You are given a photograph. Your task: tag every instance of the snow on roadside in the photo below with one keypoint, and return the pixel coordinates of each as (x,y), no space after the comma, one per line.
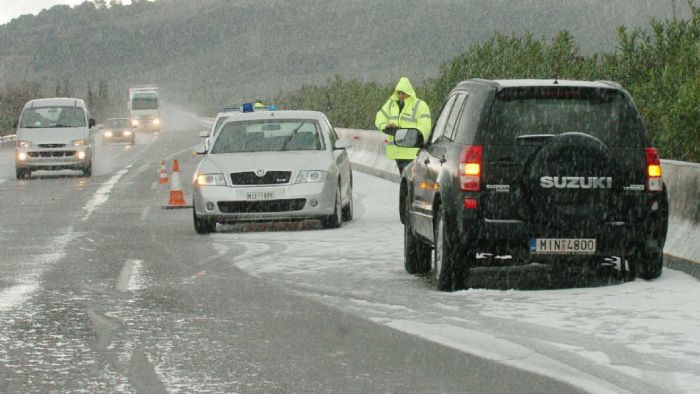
(638,336)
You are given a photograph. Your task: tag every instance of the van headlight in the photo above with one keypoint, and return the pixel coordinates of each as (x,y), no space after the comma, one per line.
(210,180)
(82,142)
(134,122)
(24,144)
(156,121)
(309,176)
(108,133)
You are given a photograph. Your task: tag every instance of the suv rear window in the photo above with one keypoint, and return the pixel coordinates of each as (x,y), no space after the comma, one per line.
(606,114)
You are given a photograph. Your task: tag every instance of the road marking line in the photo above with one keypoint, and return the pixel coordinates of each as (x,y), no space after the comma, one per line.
(128,276)
(102,194)
(144,213)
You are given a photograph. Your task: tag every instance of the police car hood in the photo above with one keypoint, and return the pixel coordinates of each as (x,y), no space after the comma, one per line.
(293,161)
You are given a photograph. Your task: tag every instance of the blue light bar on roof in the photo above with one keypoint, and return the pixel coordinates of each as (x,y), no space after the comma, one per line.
(247,107)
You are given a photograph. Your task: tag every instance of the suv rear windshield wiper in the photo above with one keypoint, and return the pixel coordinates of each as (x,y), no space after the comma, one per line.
(533,138)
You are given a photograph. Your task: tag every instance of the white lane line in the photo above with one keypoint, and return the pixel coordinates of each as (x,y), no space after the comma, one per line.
(102,193)
(129,276)
(144,213)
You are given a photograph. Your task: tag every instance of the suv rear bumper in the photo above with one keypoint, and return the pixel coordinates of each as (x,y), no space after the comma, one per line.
(612,238)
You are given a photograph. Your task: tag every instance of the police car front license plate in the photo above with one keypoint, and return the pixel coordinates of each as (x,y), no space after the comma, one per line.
(260,196)
(562,245)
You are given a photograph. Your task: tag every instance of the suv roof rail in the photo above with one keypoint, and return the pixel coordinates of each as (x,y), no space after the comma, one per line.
(611,83)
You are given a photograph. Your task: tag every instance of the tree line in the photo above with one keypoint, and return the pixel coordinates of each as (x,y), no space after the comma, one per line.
(97,96)
(659,66)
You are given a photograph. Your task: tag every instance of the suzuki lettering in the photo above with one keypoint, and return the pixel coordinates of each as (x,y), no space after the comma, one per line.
(576,182)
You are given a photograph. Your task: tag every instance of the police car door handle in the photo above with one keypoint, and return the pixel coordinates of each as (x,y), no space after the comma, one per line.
(426,161)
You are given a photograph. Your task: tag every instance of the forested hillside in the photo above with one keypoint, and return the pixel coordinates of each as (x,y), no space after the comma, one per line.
(209,53)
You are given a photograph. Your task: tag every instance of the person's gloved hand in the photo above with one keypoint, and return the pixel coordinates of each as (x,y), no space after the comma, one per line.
(390,130)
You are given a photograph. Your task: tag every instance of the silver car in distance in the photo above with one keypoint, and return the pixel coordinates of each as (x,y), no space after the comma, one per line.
(273,165)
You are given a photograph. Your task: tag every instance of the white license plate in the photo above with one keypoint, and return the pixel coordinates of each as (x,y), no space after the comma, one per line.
(562,245)
(260,196)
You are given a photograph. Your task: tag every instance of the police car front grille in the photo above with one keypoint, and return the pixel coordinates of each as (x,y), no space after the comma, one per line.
(269,178)
(289,205)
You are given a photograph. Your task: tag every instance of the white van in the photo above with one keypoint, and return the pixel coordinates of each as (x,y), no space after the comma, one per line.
(54,134)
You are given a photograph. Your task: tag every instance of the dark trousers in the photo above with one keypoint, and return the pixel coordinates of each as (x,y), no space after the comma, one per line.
(401,164)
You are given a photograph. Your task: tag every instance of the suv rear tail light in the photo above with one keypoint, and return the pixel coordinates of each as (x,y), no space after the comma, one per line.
(470,168)
(654,182)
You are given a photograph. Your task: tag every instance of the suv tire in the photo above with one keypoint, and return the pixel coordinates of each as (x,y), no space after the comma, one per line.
(416,253)
(452,261)
(648,264)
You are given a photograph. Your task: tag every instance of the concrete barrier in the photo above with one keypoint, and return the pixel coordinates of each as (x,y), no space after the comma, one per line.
(682,249)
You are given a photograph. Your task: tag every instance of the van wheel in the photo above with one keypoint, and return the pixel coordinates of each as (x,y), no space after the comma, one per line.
(451,261)
(23,173)
(87,171)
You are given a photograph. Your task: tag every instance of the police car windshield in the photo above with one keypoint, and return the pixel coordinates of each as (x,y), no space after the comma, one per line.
(268,136)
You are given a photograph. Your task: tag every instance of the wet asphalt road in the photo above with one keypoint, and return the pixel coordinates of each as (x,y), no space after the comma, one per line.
(102,290)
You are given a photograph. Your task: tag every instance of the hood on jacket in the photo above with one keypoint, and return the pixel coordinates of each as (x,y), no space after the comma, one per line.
(405,86)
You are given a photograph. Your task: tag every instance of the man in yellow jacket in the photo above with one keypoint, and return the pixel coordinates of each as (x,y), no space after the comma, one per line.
(403,110)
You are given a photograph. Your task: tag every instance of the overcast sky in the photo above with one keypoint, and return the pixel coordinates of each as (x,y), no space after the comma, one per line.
(13,8)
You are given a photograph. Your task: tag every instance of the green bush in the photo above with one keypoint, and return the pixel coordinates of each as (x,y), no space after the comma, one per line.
(660,66)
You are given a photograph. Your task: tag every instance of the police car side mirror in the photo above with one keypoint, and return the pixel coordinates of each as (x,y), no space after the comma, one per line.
(204,133)
(200,149)
(408,138)
(91,122)
(342,144)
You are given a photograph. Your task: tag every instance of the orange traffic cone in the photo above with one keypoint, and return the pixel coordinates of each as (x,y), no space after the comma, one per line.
(177,197)
(163,173)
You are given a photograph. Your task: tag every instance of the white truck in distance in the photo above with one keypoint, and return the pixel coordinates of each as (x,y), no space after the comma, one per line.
(144,107)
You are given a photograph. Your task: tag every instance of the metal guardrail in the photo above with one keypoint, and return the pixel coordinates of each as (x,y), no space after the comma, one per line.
(7,140)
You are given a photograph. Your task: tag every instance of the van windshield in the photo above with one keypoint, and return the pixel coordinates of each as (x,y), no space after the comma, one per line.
(51,117)
(606,114)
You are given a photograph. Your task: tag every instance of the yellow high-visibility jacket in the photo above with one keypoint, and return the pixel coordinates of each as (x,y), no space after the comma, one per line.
(415,114)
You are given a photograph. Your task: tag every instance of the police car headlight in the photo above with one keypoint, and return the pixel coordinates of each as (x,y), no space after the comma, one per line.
(108,134)
(127,132)
(24,144)
(210,180)
(80,142)
(156,121)
(134,122)
(310,176)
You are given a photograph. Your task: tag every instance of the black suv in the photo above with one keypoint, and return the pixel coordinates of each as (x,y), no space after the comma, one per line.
(553,172)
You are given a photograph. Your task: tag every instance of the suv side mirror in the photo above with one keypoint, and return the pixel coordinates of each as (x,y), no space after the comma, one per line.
(91,122)
(408,138)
